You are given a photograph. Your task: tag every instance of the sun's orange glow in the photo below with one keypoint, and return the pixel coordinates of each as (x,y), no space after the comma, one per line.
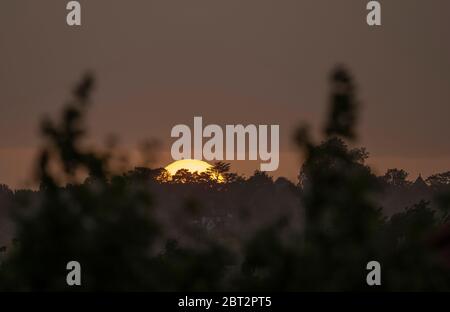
(191,165)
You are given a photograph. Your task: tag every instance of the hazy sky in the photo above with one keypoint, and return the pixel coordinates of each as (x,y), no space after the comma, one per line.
(160,63)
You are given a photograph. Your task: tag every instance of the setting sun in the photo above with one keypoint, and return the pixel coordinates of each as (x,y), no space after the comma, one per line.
(191,165)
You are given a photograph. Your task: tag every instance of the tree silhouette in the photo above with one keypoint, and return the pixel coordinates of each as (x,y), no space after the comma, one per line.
(395,177)
(440,180)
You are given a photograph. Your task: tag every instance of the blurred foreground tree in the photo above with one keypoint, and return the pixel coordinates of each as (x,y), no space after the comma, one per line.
(343,227)
(106,224)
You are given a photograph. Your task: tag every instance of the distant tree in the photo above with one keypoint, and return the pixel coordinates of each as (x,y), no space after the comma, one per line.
(395,177)
(439,180)
(162,176)
(147,175)
(220,172)
(184,176)
(218,176)
(260,179)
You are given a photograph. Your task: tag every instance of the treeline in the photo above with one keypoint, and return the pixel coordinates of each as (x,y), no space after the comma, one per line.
(142,230)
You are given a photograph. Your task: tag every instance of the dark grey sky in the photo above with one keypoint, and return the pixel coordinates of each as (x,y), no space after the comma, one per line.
(159,63)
